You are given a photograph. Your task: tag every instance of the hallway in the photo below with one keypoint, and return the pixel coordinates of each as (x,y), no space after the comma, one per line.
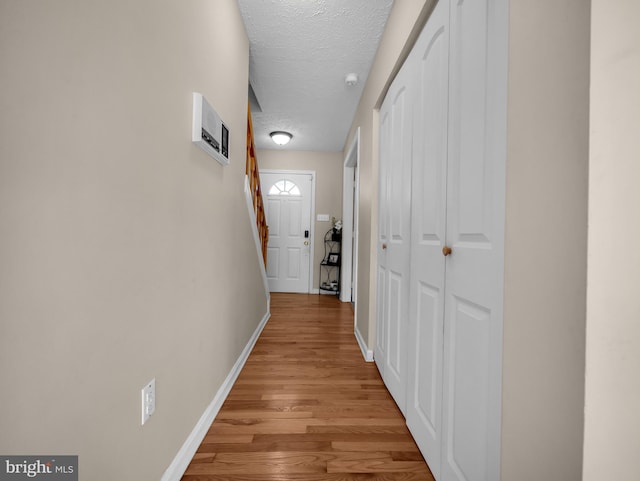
(307,406)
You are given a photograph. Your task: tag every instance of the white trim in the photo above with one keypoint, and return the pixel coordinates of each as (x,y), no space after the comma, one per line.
(350,196)
(311,220)
(256,235)
(366,352)
(179,465)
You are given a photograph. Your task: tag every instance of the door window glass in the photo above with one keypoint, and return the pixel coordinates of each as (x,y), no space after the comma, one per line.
(284,187)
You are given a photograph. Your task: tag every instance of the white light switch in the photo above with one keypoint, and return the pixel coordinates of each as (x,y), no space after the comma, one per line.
(323,218)
(148,400)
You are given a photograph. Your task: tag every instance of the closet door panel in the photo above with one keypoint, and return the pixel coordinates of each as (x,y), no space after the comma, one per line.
(470,197)
(380,349)
(429,58)
(468,396)
(394,243)
(396,362)
(475,232)
(398,247)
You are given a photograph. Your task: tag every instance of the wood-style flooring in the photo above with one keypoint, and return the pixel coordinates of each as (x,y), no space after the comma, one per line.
(307,406)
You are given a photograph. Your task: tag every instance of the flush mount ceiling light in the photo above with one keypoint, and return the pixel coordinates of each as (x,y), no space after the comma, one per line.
(281,138)
(351,79)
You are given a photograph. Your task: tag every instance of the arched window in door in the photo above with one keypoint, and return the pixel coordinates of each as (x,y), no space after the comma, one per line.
(285,187)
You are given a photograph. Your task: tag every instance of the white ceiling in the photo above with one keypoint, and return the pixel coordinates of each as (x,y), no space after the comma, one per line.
(301,52)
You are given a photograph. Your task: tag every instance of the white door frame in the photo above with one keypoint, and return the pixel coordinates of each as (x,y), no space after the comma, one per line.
(350,198)
(313,214)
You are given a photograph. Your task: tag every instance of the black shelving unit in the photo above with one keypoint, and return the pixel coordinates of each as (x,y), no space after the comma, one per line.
(329,276)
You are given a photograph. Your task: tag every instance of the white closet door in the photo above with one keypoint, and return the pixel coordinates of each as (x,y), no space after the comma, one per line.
(430,61)
(394,242)
(475,232)
(380,346)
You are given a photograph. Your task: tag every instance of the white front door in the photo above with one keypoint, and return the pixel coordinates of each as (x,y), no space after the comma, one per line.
(288,197)
(394,237)
(430,59)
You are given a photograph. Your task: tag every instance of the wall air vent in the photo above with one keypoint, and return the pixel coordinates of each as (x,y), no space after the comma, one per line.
(209,131)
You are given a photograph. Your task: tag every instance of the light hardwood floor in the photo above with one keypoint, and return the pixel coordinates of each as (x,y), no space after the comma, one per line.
(307,407)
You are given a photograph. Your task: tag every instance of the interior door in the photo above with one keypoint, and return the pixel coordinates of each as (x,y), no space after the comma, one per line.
(380,346)
(430,61)
(475,233)
(394,242)
(288,213)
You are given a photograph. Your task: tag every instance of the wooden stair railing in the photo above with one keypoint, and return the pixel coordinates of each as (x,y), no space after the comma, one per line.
(256,192)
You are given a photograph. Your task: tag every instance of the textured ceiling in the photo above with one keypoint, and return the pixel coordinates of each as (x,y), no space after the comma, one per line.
(301,52)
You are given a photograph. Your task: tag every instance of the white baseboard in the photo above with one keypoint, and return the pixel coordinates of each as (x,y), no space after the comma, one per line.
(366,352)
(179,465)
(315,290)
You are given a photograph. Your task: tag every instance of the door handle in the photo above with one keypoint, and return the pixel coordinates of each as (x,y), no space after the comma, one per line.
(306,243)
(384,246)
(446,250)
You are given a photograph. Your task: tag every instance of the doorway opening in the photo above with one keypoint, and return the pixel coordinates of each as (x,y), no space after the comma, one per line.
(350,203)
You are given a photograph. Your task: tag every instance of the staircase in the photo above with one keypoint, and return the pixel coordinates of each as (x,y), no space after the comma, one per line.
(253,177)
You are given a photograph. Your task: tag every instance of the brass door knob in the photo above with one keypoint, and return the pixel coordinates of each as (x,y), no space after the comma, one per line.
(446,250)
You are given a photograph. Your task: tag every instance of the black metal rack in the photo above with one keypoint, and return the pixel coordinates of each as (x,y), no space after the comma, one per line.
(329,276)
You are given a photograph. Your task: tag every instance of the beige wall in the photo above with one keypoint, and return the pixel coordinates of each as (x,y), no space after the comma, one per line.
(403,26)
(116,265)
(612,419)
(545,240)
(328,169)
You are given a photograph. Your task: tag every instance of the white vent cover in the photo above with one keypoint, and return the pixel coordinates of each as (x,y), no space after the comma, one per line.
(209,132)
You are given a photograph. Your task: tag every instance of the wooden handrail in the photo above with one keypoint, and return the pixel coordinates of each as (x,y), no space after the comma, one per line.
(254,184)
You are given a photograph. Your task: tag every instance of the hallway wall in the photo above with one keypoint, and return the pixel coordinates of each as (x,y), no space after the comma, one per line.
(328,168)
(612,419)
(545,240)
(116,259)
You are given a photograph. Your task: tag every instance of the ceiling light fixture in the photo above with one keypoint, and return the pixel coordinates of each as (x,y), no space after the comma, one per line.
(351,79)
(281,138)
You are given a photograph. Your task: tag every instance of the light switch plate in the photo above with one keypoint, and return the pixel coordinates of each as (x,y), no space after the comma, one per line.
(323,218)
(148,400)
